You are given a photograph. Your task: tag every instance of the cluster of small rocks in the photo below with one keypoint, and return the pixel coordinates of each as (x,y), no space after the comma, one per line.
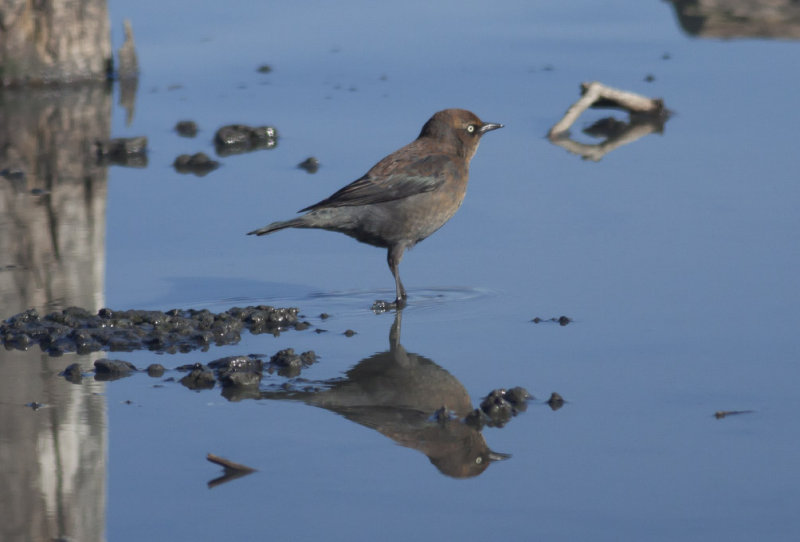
(238,376)
(499,407)
(77,330)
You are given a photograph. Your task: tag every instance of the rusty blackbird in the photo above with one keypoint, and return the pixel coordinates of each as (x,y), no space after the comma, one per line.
(406,196)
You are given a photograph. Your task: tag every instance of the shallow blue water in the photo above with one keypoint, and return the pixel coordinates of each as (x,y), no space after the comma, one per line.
(676,256)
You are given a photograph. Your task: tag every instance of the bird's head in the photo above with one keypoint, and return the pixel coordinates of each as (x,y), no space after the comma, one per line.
(457,128)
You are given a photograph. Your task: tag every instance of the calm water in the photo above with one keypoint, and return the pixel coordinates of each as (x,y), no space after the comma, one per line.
(675,255)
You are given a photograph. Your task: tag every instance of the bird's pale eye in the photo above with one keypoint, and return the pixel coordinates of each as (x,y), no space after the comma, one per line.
(471,128)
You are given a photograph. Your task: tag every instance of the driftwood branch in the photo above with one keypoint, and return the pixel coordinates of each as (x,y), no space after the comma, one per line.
(599,95)
(647,115)
(232,470)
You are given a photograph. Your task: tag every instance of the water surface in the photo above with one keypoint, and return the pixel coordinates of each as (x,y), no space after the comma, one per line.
(675,256)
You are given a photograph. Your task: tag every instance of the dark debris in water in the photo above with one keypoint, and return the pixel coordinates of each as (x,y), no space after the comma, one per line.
(310,164)
(123,151)
(73,373)
(77,330)
(561,320)
(238,138)
(499,407)
(725,413)
(186,128)
(155,370)
(199,378)
(198,163)
(555,401)
(112,369)
(288,364)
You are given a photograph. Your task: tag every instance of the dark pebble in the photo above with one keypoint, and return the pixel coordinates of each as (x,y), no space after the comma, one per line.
(186,128)
(349,333)
(200,378)
(155,370)
(501,405)
(555,401)
(239,138)
(518,397)
(112,369)
(238,371)
(126,151)
(199,164)
(286,358)
(240,379)
(289,364)
(264,68)
(308,358)
(73,373)
(310,164)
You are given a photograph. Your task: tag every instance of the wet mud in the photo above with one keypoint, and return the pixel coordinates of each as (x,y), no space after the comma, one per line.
(77,330)
(404,396)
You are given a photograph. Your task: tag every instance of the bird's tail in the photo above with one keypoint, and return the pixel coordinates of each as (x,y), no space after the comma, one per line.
(275,226)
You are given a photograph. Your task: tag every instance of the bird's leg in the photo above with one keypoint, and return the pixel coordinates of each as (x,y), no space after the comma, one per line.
(393,258)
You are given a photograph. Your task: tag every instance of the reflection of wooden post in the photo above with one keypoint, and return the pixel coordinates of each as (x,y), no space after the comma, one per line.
(54,41)
(52,254)
(52,198)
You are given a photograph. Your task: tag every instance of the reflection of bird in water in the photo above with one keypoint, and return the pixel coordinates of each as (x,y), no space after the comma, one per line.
(396,393)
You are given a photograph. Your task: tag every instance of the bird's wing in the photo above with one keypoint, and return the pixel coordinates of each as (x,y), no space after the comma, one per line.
(392,181)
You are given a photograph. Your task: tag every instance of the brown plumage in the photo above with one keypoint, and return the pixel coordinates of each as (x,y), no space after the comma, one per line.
(406,196)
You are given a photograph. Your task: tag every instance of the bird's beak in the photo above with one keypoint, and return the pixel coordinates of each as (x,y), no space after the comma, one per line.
(498,456)
(489,126)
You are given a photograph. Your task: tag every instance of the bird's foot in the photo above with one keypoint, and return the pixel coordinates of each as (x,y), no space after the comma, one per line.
(380,306)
